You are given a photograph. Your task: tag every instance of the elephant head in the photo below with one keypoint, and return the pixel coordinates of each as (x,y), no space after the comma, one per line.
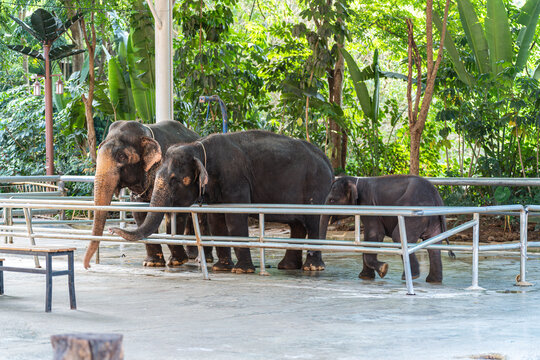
(124,159)
(180,180)
(343,192)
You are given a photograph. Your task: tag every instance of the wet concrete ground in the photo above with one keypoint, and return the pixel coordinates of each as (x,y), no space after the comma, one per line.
(288,315)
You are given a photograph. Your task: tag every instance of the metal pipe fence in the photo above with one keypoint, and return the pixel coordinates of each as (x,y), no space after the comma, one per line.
(263,241)
(27,227)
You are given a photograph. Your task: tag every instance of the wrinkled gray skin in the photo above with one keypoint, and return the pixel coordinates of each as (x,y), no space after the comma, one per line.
(129,157)
(394,190)
(245,167)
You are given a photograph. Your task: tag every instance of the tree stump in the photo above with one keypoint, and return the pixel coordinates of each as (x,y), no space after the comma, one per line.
(87,346)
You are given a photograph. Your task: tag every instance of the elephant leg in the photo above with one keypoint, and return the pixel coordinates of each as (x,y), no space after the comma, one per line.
(435,267)
(237,225)
(178,254)
(367,273)
(412,237)
(218,227)
(374,232)
(154,253)
(314,261)
(293,258)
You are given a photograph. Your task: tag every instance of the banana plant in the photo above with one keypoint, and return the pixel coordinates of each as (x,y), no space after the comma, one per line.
(131,72)
(492,47)
(368,103)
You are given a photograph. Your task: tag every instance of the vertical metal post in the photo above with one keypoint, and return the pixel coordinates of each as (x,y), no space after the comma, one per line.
(123,216)
(71,282)
(475,253)
(405,255)
(28,218)
(48,275)
(62,189)
(1,277)
(262,270)
(357,229)
(9,222)
(173,223)
(202,257)
(523,224)
(4,216)
(163,46)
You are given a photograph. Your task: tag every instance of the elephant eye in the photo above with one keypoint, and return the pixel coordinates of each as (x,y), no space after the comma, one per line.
(122,157)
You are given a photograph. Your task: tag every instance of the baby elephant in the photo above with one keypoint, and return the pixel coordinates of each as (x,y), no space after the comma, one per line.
(394,190)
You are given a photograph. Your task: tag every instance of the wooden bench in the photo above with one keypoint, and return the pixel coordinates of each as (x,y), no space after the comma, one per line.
(48,252)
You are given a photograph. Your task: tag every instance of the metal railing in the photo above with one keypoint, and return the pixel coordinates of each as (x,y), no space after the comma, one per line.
(27,204)
(262,242)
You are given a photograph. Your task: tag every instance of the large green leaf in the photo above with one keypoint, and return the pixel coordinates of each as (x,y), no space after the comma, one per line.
(529,19)
(45,24)
(452,51)
(498,36)
(475,35)
(63,51)
(143,93)
(26,51)
(27,28)
(537,73)
(359,85)
(120,92)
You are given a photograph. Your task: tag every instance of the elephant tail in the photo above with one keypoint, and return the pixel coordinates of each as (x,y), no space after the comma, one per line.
(442,220)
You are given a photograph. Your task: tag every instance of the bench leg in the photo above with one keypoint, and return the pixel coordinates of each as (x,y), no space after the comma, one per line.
(71,282)
(48,291)
(1,279)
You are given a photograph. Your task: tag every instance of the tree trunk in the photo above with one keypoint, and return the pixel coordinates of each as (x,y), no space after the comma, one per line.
(77,37)
(89,98)
(337,137)
(87,347)
(418,113)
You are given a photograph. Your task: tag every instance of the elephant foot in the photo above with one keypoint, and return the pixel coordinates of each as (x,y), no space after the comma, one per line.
(313,265)
(176,262)
(287,264)
(414,276)
(223,266)
(244,267)
(367,274)
(154,261)
(383,269)
(209,258)
(434,279)
(192,252)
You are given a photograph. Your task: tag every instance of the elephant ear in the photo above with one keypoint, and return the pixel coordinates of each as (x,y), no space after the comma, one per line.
(353,193)
(203,176)
(151,152)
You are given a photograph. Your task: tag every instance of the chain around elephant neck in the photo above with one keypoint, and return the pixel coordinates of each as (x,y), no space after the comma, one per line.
(151,131)
(204,151)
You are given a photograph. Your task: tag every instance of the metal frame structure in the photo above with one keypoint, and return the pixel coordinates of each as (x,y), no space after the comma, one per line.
(263,242)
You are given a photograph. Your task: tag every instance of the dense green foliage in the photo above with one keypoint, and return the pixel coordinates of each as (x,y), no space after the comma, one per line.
(265,59)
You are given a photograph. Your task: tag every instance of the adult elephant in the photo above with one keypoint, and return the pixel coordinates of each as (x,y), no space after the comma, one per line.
(245,167)
(129,157)
(394,190)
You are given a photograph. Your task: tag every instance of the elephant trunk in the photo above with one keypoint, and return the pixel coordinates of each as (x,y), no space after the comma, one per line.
(161,197)
(323,226)
(105,184)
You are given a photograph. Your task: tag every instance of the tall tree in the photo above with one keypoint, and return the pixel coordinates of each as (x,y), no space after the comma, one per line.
(329,19)
(418,112)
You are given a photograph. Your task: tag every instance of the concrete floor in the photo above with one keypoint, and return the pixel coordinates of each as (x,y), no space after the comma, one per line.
(288,315)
